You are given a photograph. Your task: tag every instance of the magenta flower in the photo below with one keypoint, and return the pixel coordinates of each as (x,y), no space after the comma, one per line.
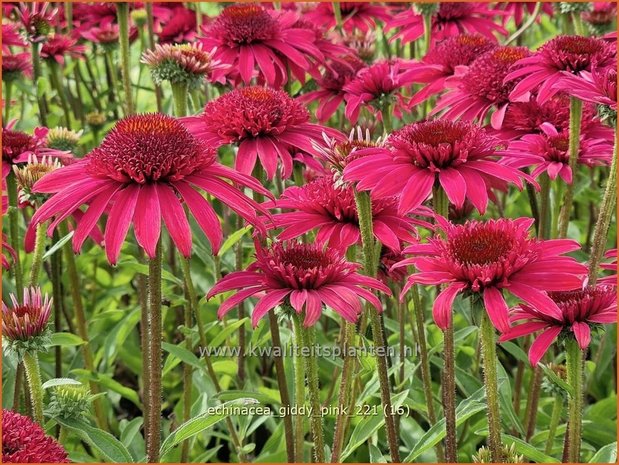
(545,69)
(330,94)
(16,66)
(179,27)
(517,11)
(266,125)
(59,46)
(610,280)
(25,321)
(355,15)
(38,19)
(375,86)
(306,276)
(602,14)
(480,87)
(580,311)
(11,37)
(249,37)
(452,18)
(144,170)
(549,152)
(487,258)
(460,156)
(441,61)
(598,86)
(24,441)
(105,34)
(331,210)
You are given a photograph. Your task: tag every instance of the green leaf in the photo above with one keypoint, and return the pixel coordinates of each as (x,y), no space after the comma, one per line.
(233,239)
(376,456)
(58,245)
(200,423)
(530,452)
(607,454)
(132,264)
(66,340)
(225,332)
(234,395)
(60,382)
(558,381)
(180,353)
(465,410)
(110,447)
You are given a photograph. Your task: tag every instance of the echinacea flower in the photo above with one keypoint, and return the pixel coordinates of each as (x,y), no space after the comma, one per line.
(330,94)
(480,88)
(17,146)
(11,37)
(331,210)
(458,155)
(600,18)
(59,46)
(581,311)
(249,37)
(28,320)
(374,87)
(16,66)
(517,10)
(355,15)
(181,63)
(488,258)
(546,68)
(337,154)
(610,280)
(441,61)
(24,441)
(598,86)
(144,170)
(106,34)
(549,152)
(266,125)
(450,19)
(38,19)
(306,276)
(180,27)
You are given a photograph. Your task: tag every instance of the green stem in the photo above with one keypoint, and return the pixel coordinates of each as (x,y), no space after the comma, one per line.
(386,115)
(600,233)
(574,364)
(123,37)
(57,295)
(37,255)
(311,372)
(151,43)
(488,347)
(8,87)
(555,417)
(153,434)
(345,391)
(112,76)
(364,212)
(187,368)
(19,376)
(574,149)
(527,24)
(299,390)
(577,22)
(82,327)
(544,214)
(11,187)
(33,375)
(427,32)
(180,94)
(337,12)
(36,74)
(55,74)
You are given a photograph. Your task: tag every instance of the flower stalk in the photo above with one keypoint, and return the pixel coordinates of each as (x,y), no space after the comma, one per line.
(33,375)
(299,386)
(574,365)
(37,255)
(555,418)
(13,213)
(122,9)
(574,149)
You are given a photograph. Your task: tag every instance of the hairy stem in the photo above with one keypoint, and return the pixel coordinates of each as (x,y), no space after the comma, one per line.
(574,149)
(123,38)
(11,187)
(345,391)
(187,368)
(299,392)
(37,254)
(33,375)
(574,365)
(555,417)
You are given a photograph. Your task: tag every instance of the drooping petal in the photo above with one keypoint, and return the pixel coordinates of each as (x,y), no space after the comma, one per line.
(441,310)
(147,219)
(497,309)
(582,332)
(119,220)
(175,219)
(542,343)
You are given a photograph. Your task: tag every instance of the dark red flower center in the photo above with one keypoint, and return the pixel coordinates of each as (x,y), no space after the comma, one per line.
(580,304)
(14,143)
(481,245)
(149,148)
(575,53)
(337,74)
(251,112)
(244,24)
(450,11)
(486,74)
(459,50)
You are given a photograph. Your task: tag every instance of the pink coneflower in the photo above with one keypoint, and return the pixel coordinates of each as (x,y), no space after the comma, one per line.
(59,46)
(180,27)
(28,320)
(460,156)
(355,15)
(330,94)
(598,86)
(452,18)
(610,280)
(144,170)
(249,37)
(266,125)
(16,66)
(331,210)
(580,311)
(441,62)
(11,36)
(517,10)
(106,34)
(38,19)
(480,87)
(17,146)
(543,70)
(487,258)
(602,14)
(304,275)
(24,441)
(374,87)
(549,152)
(87,15)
